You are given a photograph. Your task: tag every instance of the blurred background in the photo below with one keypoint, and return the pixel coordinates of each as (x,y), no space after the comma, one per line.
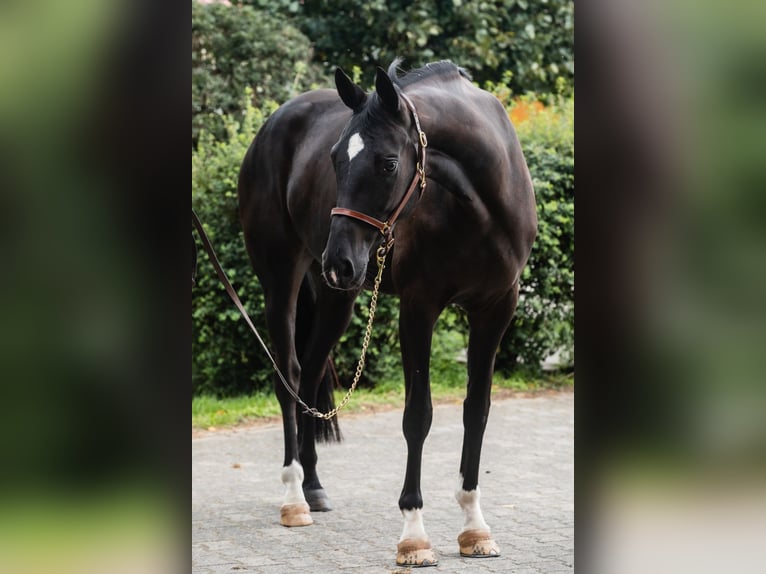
(671,440)
(94,379)
(93,329)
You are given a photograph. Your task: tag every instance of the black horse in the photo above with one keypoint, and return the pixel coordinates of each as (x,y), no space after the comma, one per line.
(319,192)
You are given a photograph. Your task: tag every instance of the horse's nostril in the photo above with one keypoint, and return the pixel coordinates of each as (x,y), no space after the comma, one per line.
(345,269)
(339,271)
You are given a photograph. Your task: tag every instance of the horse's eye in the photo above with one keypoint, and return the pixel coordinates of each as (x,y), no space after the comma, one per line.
(390,165)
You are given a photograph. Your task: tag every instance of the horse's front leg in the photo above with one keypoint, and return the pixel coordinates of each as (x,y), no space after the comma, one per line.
(487,329)
(416,322)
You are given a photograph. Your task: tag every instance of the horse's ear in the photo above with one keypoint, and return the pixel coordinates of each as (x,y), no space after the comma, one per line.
(351,94)
(386,91)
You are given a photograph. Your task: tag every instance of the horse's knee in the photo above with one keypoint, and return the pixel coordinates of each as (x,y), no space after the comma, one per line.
(417,422)
(292,374)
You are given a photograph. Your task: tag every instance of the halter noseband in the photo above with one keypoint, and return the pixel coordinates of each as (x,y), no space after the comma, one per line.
(386,228)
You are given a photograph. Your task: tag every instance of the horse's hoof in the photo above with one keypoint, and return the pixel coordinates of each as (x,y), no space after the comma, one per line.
(477,544)
(295,515)
(415,553)
(318,500)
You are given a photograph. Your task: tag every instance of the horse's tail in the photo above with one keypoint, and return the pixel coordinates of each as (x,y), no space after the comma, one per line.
(324,430)
(327,430)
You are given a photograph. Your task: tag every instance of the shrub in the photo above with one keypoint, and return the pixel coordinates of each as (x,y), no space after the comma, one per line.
(544,320)
(226,358)
(237,47)
(532,40)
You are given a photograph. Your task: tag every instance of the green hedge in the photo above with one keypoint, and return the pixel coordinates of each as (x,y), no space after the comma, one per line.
(529,40)
(237,47)
(282,47)
(544,319)
(225,360)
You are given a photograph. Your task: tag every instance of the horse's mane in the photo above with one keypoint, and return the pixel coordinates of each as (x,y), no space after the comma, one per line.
(443,70)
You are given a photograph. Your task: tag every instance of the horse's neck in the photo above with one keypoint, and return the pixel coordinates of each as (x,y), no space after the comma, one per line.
(457,134)
(475,157)
(455,125)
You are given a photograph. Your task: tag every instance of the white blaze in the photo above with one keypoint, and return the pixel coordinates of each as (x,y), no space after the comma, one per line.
(355,145)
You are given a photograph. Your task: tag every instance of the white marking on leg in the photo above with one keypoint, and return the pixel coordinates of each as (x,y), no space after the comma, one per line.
(292,478)
(413,525)
(469,502)
(355,145)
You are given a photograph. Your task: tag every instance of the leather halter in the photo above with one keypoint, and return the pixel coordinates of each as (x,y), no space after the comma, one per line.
(386,228)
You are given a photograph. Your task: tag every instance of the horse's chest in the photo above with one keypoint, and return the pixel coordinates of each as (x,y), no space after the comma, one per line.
(453,265)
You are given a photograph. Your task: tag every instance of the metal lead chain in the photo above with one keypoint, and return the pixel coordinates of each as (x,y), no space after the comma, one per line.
(381,259)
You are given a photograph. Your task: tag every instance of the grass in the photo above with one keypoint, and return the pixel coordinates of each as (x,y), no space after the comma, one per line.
(447,385)
(209,411)
(448,380)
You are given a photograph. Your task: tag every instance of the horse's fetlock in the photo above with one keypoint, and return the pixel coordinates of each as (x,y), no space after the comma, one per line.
(410,501)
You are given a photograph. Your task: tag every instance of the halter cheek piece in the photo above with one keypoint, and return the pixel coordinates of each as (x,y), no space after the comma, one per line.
(386,228)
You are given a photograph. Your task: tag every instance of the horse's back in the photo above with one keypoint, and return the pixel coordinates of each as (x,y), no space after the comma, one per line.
(270,156)
(288,157)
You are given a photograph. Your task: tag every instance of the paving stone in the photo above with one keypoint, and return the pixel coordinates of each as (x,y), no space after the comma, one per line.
(526,479)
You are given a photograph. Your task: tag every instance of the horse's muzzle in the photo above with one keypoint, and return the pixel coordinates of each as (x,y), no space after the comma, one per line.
(341,270)
(340,273)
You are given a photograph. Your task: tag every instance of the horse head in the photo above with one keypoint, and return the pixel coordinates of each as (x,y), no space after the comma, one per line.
(375,163)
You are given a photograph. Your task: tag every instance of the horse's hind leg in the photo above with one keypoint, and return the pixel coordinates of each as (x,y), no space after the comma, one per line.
(332,314)
(487,328)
